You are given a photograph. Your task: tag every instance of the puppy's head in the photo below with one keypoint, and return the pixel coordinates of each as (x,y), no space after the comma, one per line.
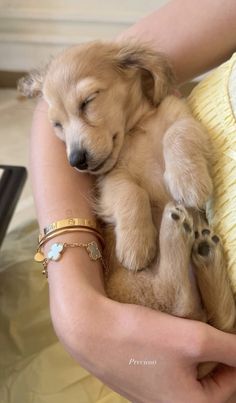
(96,92)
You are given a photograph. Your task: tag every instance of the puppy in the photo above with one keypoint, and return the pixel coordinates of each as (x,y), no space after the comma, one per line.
(113,106)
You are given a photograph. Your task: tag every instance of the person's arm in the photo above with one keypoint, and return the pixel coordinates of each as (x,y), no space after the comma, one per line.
(104,335)
(196,35)
(60,192)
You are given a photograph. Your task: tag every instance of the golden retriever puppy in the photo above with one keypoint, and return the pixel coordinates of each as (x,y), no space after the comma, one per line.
(113,106)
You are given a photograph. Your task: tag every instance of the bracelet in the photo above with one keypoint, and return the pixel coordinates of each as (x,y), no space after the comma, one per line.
(57,249)
(62,227)
(52,234)
(70,222)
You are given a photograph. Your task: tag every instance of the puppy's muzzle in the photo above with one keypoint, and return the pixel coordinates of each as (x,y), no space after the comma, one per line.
(78,159)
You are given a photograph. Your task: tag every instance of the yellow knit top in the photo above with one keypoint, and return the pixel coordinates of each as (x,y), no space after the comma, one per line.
(213,102)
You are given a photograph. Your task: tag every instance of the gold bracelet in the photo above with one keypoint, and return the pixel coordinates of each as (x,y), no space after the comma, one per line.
(70,222)
(52,234)
(57,249)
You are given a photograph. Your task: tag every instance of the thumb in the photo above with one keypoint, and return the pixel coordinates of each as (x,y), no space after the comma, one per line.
(220,385)
(219,347)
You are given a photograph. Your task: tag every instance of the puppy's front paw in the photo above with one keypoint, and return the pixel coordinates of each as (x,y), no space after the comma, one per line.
(190,187)
(136,247)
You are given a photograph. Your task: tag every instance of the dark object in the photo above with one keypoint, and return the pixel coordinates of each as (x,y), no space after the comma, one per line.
(12,180)
(78,159)
(203,248)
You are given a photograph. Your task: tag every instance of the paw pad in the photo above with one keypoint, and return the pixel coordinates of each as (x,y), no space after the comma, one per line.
(175,216)
(181,216)
(203,249)
(206,231)
(187,227)
(215,239)
(205,242)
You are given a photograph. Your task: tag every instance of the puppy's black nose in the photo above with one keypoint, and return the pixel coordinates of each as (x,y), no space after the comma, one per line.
(78,159)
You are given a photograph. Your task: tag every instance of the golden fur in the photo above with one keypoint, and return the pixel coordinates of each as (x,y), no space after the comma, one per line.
(114,104)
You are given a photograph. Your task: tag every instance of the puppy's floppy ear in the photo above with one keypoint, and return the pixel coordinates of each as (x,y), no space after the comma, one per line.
(156,73)
(31,85)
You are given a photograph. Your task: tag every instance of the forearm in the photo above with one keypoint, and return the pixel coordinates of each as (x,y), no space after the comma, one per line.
(60,192)
(196,35)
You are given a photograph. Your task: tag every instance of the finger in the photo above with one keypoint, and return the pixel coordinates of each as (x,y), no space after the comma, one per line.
(221,384)
(219,347)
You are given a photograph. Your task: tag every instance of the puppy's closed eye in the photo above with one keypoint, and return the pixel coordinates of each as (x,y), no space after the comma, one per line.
(58,125)
(86,101)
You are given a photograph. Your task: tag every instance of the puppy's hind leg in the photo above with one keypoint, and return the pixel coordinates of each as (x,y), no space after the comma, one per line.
(186,149)
(175,291)
(213,283)
(212,279)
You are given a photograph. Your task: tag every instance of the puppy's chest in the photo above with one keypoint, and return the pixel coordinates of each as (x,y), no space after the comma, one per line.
(143,158)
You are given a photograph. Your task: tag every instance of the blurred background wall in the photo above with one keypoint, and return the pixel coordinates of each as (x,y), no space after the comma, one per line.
(33,30)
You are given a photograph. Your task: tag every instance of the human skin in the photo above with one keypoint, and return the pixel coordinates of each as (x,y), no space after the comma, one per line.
(196,35)
(101,334)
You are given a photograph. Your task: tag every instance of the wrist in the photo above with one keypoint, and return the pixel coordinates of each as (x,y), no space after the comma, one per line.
(75,268)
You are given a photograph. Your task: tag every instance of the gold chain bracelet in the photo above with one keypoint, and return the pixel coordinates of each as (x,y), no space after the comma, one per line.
(58,248)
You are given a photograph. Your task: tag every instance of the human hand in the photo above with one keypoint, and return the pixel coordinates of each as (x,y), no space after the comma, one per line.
(121,335)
